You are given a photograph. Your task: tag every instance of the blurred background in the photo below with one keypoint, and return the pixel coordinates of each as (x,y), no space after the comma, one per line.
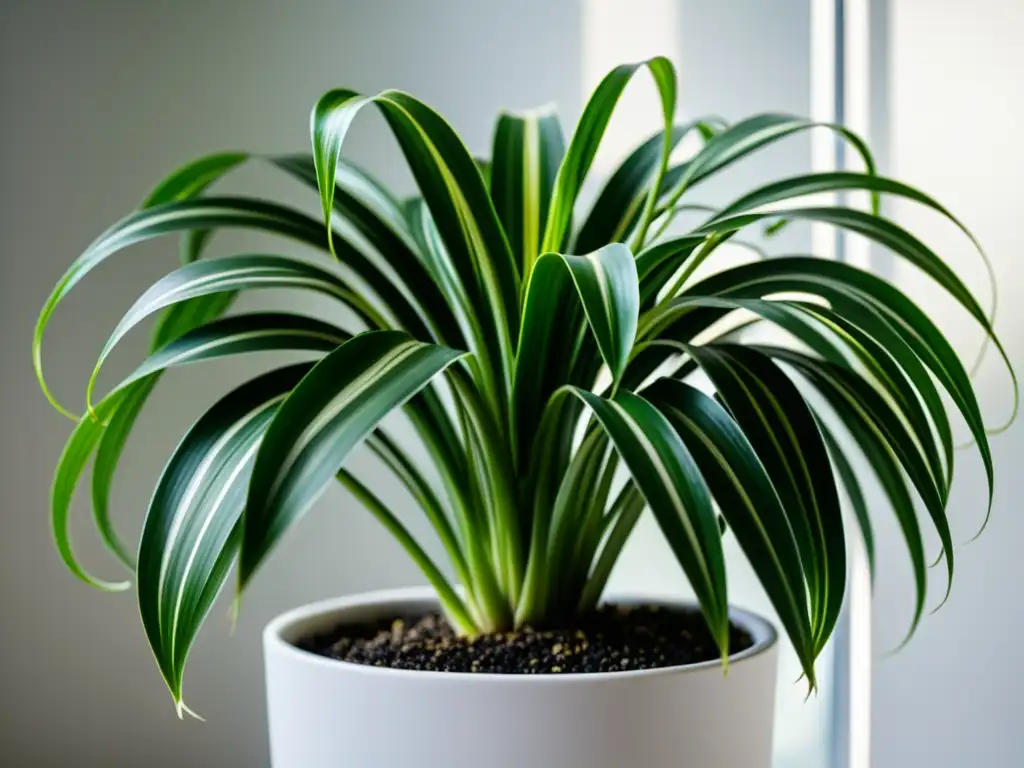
(100,99)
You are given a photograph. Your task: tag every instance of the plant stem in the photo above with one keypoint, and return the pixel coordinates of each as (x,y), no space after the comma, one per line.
(500,482)
(710,244)
(406,471)
(625,512)
(453,605)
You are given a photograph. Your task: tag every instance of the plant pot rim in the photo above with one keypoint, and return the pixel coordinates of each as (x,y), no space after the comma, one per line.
(281,633)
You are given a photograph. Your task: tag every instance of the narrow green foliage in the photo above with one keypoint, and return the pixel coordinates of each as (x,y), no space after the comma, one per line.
(564,338)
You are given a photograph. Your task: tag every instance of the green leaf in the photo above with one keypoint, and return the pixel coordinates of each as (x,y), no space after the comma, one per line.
(185,183)
(875,306)
(450,601)
(228,275)
(73,459)
(605,283)
(803,321)
(877,229)
(192,179)
(190,533)
(109,449)
(335,406)
(886,468)
(901,243)
(238,335)
(657,264)
(748,500)
(528,149)
(589,132)
(459,204)
(845,472)
(741,140)
(221,213)
(620,520)
(378,217)
(783,431)
(174,322)
(891,361)
(848,394)
(668,478)
(617,209)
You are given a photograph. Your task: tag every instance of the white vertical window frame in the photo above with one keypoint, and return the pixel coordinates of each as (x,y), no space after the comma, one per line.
(841,84)
(856,251)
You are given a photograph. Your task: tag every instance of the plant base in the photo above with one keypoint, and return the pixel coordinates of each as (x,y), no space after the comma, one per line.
(328,713)
(612,639)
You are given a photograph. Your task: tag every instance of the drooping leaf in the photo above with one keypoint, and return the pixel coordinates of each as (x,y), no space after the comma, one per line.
(239,335)
(742,139)
(806,321)
(848,394)
(230,275)
(667,476)
(193,178)
(187,182)
(875,306)
(845,472)
(605,285)
(748,501)
(460,206)
(190,532)
(220,213)
(375,214)
(589,132)
(73,460)
(335,407)
(621,201)
(783,431)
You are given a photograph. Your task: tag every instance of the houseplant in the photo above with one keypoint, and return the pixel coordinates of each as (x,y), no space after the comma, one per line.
(543,365)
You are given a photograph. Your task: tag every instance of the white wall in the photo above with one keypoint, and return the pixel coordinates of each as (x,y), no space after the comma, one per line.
(100,99)
(952,698)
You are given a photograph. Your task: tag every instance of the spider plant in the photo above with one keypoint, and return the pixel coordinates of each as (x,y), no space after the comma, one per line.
(544,356)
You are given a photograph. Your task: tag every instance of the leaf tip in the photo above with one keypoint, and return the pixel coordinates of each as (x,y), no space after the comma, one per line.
(182,709)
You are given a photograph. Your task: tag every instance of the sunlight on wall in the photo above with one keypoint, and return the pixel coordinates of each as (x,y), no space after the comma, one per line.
(615,32)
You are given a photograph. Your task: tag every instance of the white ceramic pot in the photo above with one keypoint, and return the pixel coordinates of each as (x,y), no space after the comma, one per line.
(331,714)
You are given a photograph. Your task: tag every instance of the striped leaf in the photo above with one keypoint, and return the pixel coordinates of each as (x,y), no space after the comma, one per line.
(618,207)
(337,404)
(783,431)
(605,285)
(890,363)
(589,132)
(748,501)
(239,335)
(378,217)
(528,148)
(220,213)
(742,139)
(483,258)
(460,207)
(73,459)
(193,178)
(191,532)
(185,183)
(853,399)
(228,275)
(667,476)
(875,306)
(844,472)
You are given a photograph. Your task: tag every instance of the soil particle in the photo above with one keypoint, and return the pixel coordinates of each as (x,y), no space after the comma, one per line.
(614,638)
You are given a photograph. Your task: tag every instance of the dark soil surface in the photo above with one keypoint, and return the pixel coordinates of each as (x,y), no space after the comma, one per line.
(612,639)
